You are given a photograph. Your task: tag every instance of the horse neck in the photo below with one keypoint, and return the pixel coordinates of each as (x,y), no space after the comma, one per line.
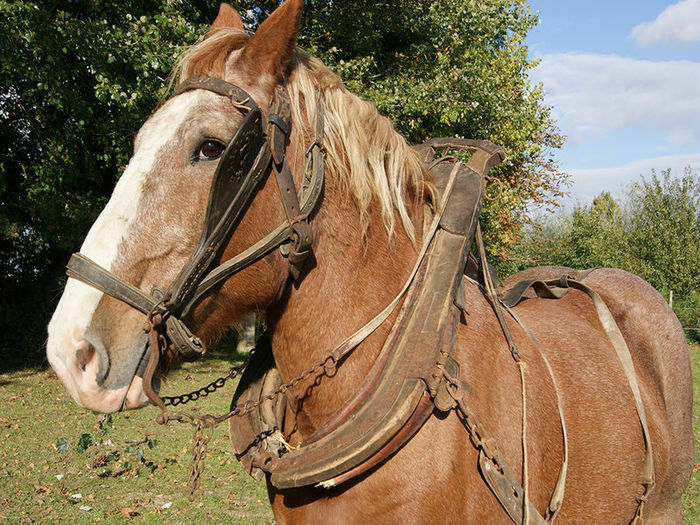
(347,285)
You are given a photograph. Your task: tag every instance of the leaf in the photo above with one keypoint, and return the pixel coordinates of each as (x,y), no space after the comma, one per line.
(62,445)
(128,512)
(41,489)
(84,442)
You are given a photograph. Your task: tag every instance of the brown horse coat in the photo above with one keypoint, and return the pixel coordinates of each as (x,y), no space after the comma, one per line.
(360,263)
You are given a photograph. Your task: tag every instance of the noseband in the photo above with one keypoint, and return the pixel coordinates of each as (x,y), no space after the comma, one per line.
(259,144)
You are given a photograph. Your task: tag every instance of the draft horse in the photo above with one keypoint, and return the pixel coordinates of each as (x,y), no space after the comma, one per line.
(319,257)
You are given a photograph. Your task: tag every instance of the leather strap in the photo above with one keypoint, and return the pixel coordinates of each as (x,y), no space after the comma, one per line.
(300,232)
(508,491)
(239,176)
(240,173)
(311,197)
(557,498)
(557,288)
(218,86)
(623,353)
(87,271)
(515,294)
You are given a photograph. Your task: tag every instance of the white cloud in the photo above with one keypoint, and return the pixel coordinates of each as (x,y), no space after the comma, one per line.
(593,94)
(588,183)
(678,24)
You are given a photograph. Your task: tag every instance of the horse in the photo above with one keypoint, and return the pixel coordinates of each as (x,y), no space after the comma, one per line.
(367,234)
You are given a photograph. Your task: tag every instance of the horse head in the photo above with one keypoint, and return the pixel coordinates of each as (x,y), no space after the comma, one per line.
(153,220)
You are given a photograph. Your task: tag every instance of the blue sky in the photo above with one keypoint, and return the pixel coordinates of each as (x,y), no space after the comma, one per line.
(623,78)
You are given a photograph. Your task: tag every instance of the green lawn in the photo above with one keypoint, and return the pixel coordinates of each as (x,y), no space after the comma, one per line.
(108,471)
(60,463)
(691,498)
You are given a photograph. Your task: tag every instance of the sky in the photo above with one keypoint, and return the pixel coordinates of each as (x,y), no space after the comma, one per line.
(623,79)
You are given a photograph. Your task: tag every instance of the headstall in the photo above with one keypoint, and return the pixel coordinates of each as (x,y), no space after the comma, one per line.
(258,145)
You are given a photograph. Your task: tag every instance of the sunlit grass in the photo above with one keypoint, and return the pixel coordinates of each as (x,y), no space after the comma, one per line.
(691,498)
(109,472)
(57,462)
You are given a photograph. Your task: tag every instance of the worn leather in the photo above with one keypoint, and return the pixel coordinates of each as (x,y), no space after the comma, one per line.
(240,173)
(391,405)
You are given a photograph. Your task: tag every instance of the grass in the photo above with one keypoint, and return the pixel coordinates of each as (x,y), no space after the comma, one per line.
(62,463)
(691,498)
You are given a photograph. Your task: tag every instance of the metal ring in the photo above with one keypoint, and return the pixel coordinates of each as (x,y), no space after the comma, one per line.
(316,143)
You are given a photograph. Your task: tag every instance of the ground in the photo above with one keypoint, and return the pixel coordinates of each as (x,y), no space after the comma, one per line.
(62,463)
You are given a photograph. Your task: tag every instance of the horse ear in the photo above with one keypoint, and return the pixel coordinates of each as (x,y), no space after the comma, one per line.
(228,17)
(268,53)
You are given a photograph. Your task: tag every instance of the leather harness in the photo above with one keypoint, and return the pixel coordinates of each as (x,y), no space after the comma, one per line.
(242,170)
(415,373)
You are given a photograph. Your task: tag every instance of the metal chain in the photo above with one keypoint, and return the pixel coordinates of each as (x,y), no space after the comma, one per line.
(205,424)
(212,387)
(476,434)
(200,440)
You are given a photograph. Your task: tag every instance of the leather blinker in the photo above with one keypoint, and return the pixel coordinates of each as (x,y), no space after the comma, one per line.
(241,172)
(236,161)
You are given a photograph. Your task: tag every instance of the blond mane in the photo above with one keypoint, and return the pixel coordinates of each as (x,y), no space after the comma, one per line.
(367,157)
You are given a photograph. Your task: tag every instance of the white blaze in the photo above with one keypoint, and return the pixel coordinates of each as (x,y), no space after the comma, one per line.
(79,301)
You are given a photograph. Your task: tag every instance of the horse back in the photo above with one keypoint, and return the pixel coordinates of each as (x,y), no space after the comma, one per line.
(659,352)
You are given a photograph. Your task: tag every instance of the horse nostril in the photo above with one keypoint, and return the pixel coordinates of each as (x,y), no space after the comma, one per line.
(84,354)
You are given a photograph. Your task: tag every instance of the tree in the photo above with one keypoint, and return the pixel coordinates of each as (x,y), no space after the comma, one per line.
(451,68)
(664,226)
(77,80)
(653,232)
(81,76)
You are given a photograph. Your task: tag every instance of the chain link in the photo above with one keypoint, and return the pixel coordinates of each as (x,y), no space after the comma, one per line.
(212,387)
(476,433)
(204,425)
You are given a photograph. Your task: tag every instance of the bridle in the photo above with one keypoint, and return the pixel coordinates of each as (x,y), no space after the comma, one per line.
(258,145)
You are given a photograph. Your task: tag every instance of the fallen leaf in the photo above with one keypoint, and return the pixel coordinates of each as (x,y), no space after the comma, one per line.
(128,512)
(40,489)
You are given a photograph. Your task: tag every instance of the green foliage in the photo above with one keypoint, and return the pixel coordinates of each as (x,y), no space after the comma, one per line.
(664,226)
(79,77)
(450,68)
(77,80)
(84,442)
(62,445)
(653,232)
(687,309)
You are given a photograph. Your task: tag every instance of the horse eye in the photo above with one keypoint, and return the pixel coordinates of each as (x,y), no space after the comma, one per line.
(210,150)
